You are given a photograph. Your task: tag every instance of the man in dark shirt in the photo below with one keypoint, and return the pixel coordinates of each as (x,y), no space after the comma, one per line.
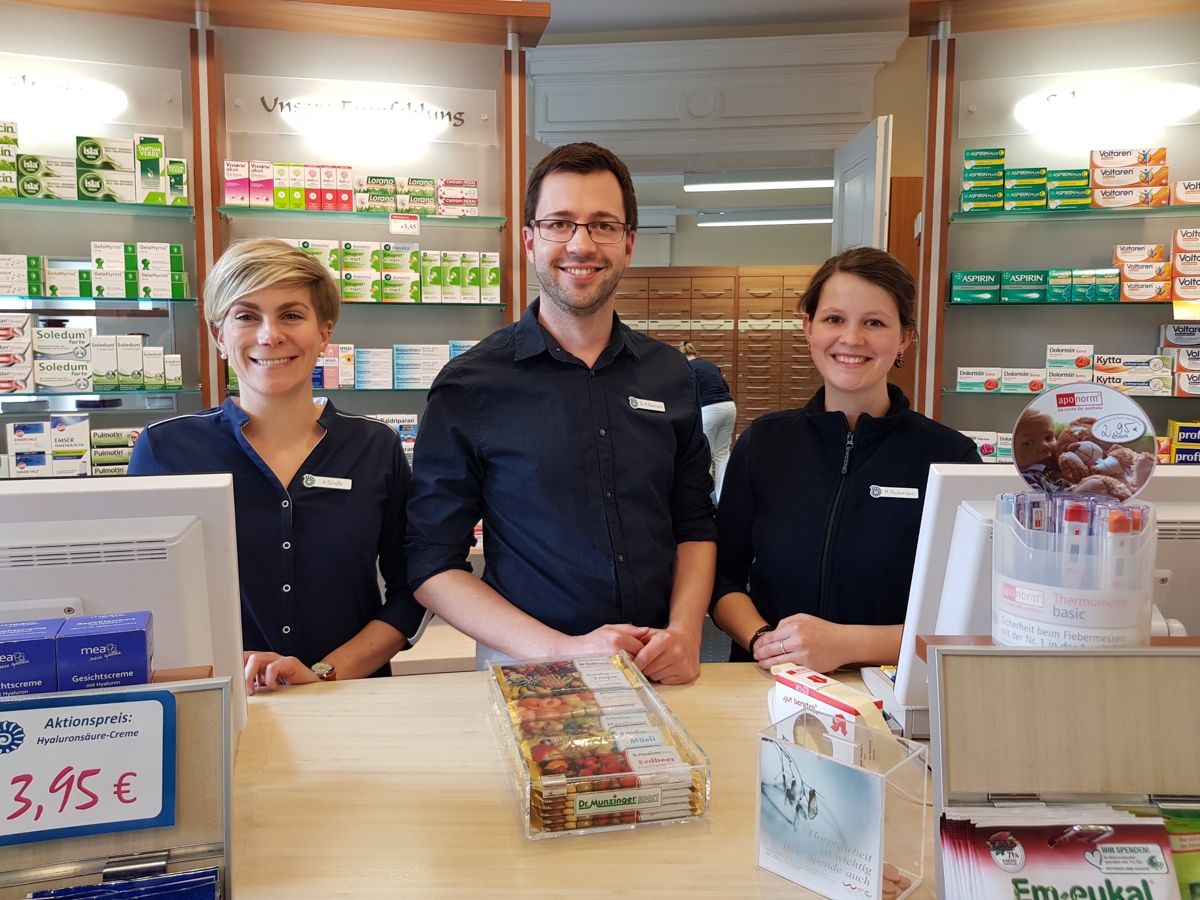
(580,445)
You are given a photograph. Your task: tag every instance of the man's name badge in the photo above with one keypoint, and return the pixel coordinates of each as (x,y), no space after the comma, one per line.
(318,481)
(899,493)
(652,405)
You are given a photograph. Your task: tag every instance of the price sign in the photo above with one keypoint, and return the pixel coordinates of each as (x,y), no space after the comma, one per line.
(401,223)
(86,765)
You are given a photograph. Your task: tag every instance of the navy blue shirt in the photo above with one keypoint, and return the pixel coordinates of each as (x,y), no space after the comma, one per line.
(306,555)
(807,523)
(586,478)
(713,386)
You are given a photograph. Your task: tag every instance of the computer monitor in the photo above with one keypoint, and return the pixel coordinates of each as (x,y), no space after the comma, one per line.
(84,546)
(965,488)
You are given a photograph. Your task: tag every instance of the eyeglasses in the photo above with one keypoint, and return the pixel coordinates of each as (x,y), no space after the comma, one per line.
(561,231)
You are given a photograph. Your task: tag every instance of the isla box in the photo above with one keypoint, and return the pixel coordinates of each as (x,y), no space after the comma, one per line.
(112,650)
(27,657)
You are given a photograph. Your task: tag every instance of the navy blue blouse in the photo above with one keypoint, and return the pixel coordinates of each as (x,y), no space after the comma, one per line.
(306,554)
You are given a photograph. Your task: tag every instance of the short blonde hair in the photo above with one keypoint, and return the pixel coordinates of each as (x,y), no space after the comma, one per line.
(256,263)
(688,349)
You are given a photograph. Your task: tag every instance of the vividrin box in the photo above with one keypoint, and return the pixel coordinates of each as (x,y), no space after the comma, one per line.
(590,747)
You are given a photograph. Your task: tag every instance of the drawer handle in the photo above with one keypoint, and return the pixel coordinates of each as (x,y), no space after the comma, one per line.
(715,315)
(799,292)
(669,293)
(763,315)
(712,294)
(666,315)
(761,293)
(629,293)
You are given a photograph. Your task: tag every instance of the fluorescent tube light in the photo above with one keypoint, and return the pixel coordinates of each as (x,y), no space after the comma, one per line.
(717,223)
(759,185)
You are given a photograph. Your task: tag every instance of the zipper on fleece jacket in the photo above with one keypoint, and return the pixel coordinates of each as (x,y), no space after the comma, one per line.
(837,498)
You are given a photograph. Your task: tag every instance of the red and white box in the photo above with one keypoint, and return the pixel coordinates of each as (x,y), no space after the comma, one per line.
(237,182)
(329,185)
(1185,193)
(345,189)
(312,187)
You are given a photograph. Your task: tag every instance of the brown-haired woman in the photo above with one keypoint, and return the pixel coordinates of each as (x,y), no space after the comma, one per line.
(822,505)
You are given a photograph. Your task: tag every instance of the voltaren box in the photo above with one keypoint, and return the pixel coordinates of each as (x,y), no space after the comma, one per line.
(1187,359)
(1146,271)
(1153,156)
(27,657)
(489,277)
(106,651)
(1186,240)
(1130,197)
(1186,288)
(1145,291)
(1187,384)
(1185,193)
(1185,264)
(1179,334)
(1128,253)
(1131,176)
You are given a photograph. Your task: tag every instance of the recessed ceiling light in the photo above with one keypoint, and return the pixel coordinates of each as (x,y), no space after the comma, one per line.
(759,185)
(717,223)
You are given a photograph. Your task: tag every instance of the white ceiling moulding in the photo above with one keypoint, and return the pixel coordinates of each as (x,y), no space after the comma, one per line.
(767,215)
(738,98)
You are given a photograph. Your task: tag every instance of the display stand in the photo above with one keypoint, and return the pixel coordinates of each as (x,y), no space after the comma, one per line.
(1013,725)
(200,837)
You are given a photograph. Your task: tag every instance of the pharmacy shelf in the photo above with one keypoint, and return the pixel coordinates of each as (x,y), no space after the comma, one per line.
(360,304)
(1041,303)
(946,392)
(76,207)
(130,402)
(336,391)
(1058,215)
(495,223)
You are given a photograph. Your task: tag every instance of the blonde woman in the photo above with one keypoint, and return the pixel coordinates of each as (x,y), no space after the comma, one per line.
(718,412)
(319,495)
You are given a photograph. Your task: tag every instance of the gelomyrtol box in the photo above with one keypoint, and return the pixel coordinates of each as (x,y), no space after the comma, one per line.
(985,443)
(360,287)
(329,185)
(328,253)
(262,183)
(27,658)
(1076,358)
(237,182)
(281,197)
(986,157)
(400,287)
(114,256)
(106,651)
(105,154)
(1058,285)
(1123,363)
(69,434)
(16,353)
(1138,383)
(1131,176)
(400,257)
(1130,197)
(1024,199)
(431,276)
(1145,291)
(344,189)
(1179,334)
(451,277)
(35,166)
(1129,253)
(172,372)
(38,188)
(1186,264)
(1022,381)
(987,200)
(469,266)
(65,283)
(149,154)
(27,437)
(1185,193)
(489,277)
(104,362)
(62,376)
(312,187)
(1069,198)
(1068,178)
(1186,240)
(1116,159)
(159,257)
(106,187)
(1146,271)
(1035,177)
(129,362)
(1186,288)
(978,381)
(1024,286)
(975,287)
(361,256)
(153,372)
(62,343)
(177,182)
(115,285)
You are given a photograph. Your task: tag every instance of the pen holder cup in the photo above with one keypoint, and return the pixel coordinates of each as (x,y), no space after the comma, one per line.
(1055,589)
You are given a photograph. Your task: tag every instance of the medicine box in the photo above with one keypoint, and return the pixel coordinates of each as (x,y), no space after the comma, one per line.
(101,471)
(458,348)
(111,456)
(1058,285)
(177,182)
(149,154)
(469,267)
(1153,156)
(237,182)
(129,362)
(1146,271)
(986,200)
(296,186)
(400,287)
(29,165)
(1130,197)
(62,282)
(1186,288)
(347,357)
(1131,176)
(1030,177)
(1186,240)
(45,188)
(27,437)
(329,253)
(1185,456)
(8,182)
(106,187)
(1145,291)
(1137,383)
(329,188)
(1069,198)
(1185,434)
(978,380)
(451,277)
(1022,381)
(115,256)
(375,184)
(27,657)
(1004,452)
(71,466)
(1072,357)
(975,287)
(1187,384)
(489,277)
(105,154)
(1127,253)
(1187,359)
(172,372)
(982,179)
(1024,199)
(985,443)
(1108,286)
(104,362)
(16,380)
(162,285)
(280,181)
(361,256)
(1179,334)
(62,343)
(152,257)
(261,174)
(1114,363)
(62,376)
(29,465)
(106,651)
(989,157)
(69,434)
(15,353)
(376,203)
(153,372)
(1186,263)
(360,287)
(1068,178)
(312,187)
(1024,286)
(114,437)
(431,276)
(447,210)
(396,257)
(1185,193)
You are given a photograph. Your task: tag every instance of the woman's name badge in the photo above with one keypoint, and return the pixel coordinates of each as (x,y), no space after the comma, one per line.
(318,481)
(900,493)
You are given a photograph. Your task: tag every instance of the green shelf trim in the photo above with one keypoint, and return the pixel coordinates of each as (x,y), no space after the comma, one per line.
(107,209)
(1074,215)
(104,300)
(1126,305)
(362,218)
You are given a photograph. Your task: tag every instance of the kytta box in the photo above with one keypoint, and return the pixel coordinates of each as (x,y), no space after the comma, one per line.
(106,651)
(27,658)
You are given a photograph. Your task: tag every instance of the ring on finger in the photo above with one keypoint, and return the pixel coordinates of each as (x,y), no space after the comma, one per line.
(782,649)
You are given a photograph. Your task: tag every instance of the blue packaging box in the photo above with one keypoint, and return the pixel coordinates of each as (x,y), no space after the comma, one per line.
(27,663)
(106,651)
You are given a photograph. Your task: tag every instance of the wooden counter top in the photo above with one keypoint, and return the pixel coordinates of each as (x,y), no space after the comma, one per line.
(395,787)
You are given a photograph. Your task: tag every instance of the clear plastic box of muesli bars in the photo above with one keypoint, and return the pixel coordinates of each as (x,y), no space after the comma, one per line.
(590,746)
